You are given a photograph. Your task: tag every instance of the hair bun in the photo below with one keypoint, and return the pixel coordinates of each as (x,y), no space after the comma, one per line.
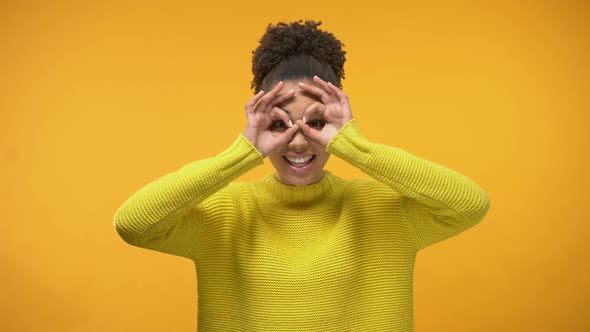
(285,40)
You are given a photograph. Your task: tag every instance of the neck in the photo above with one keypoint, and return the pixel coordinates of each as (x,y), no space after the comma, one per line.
(284,195)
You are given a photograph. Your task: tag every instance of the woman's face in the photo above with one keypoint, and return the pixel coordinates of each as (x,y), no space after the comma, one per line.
(301,161)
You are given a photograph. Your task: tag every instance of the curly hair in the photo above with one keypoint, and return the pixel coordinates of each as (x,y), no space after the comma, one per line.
(297,50)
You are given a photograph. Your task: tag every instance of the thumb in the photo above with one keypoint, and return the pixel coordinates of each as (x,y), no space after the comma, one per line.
(286,136)
(310,132)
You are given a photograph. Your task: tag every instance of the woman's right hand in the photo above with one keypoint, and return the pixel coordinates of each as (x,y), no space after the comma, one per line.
(263,114)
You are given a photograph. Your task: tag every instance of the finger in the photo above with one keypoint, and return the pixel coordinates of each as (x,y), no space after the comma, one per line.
(343,100)
(250,104)
(341,95)
(308,131)
(285,137)
(264,101)
(319,92)
(278,114)
(283,97)
(325,85)
(319,80)
(315,109)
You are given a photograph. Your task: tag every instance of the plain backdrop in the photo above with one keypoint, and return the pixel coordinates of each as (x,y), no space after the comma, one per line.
(99,98)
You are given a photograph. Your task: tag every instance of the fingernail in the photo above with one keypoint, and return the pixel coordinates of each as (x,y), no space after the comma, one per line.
(292,90)
(304,119)
(330,83)
(315,76)
(301,83)
(290,123)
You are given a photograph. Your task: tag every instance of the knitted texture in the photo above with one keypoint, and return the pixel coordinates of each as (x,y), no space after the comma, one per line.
(337,255)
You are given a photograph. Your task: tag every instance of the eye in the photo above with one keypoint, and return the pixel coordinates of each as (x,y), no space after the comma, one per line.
(316,124)
(278,125)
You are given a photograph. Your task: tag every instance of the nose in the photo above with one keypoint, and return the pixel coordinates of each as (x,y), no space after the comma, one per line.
(298,142)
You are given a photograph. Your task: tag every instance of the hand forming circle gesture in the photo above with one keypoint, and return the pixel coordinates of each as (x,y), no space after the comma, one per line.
(334,109)
(261,111)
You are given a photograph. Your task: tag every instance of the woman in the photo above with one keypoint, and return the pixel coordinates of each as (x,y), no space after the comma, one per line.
(302,249)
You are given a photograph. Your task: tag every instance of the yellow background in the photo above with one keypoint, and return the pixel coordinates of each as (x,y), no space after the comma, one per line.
(99,98)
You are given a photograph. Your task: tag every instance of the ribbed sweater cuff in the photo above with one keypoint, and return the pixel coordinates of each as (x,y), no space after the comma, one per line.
(239,157)
(350,145)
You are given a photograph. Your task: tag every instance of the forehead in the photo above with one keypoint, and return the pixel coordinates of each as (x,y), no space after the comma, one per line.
(300,100)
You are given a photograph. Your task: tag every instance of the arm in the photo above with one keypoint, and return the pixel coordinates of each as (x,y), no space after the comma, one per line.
(165,216)
(438,202)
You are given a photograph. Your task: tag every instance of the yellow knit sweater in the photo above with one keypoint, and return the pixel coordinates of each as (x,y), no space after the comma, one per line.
(337,255)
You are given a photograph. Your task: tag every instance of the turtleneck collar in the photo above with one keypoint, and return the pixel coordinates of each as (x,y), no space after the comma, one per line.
(280,194)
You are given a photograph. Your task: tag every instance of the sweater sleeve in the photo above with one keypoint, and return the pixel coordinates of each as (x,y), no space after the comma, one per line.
(165,216)
(438,202)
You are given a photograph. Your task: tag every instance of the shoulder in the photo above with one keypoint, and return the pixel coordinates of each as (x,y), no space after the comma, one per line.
(368,184)
(236,188)
(370,189)
(232,193)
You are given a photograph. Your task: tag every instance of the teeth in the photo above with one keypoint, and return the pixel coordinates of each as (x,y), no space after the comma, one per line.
(299,160)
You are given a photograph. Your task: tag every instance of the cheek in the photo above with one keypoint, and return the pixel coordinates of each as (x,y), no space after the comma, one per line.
(276,159)
(277,132)
(323,158)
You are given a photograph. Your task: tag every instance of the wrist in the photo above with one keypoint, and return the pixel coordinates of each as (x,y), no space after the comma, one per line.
(248,134)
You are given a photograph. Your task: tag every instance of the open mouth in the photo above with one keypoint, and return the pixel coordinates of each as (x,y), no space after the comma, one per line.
(300,162)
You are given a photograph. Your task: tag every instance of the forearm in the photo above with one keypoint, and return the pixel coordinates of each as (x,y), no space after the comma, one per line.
(444,192)
(172,196)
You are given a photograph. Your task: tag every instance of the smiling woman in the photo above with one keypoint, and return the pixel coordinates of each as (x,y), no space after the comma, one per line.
(302,249)
(301,160)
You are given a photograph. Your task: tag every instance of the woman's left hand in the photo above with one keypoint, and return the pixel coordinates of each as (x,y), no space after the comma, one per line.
(334,109)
